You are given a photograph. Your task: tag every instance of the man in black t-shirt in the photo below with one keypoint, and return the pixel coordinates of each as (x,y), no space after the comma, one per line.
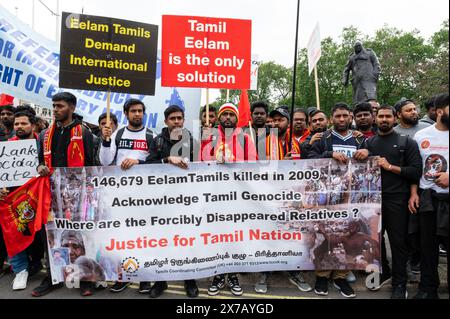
(401,166)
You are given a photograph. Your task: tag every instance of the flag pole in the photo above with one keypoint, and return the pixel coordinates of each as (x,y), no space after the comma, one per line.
(295,72)
(108,111)
(316,78)
(207,107)
(33,16)
(57,23)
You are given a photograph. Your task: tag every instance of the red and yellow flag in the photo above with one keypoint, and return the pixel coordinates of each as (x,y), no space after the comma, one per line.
(23,212)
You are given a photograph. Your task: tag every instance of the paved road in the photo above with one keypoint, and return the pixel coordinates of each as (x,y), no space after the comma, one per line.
(279,288)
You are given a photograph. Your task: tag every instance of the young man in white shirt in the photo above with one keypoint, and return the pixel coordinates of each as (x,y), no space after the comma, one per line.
(127,147)
(433,209)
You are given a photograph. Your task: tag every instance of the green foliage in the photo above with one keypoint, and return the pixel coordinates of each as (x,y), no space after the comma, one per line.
(412,67)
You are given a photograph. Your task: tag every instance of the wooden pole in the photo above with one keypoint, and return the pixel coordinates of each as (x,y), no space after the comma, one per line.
(251,132)
(316,78)
(228,96)
(108,111)
(207,107)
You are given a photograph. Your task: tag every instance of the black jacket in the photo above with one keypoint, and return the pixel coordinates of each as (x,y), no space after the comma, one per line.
(305,147)
(161,147)
(60,144)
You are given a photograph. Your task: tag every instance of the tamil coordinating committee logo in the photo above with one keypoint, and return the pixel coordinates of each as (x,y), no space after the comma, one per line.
(130,265)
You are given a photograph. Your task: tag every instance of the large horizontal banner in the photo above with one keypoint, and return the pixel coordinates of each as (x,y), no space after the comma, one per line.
(107,54)
(29,70)
(206,52)
(159,222)
(18,162)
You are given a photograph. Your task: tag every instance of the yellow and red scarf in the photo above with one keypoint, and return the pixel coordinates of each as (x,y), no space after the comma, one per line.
(275,150)
(75,151)
(304,136)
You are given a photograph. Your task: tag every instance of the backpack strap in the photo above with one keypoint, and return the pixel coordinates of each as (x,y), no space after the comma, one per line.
(401,144)
(117,141)
(328,142)
(159,143)
(149,136)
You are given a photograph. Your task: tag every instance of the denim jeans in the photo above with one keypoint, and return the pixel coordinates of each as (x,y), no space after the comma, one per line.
(19,262)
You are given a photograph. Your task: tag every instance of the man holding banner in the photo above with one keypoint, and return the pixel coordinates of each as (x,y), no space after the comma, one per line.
(230,145)
(339,144)
(24,127)
(127,147)
(280,148)
(67,143)
(175,146)
(400,163)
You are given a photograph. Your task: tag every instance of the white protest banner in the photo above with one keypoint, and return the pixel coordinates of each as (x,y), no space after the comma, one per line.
(314,49)
(159,222)
(18,162)
(29,70)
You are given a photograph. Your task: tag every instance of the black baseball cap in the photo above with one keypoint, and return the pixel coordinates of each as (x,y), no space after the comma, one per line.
(403,101)
(310,110)
(281,111)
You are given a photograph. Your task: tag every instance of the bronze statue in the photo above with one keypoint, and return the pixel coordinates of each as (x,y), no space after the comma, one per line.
(366,70)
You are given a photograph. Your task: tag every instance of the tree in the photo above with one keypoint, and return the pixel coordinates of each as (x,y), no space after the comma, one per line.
(412,67)
(435,77)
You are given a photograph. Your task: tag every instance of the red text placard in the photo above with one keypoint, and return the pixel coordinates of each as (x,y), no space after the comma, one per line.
(206,52)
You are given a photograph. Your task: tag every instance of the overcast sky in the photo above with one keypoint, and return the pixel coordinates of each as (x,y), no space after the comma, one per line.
(273,21)
(273,29)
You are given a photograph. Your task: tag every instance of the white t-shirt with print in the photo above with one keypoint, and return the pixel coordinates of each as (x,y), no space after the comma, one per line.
(133,145)
(433,146)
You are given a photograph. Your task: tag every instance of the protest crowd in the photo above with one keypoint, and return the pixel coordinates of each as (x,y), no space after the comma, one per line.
(412,153)
(318,195)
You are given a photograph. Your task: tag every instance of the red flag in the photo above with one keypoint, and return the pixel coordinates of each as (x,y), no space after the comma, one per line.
(244,110)
(6,99)
(23,213)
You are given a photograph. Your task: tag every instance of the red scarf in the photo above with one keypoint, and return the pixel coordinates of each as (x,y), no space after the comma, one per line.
(277,151)
(304,136)
(75,151)
(228,148)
